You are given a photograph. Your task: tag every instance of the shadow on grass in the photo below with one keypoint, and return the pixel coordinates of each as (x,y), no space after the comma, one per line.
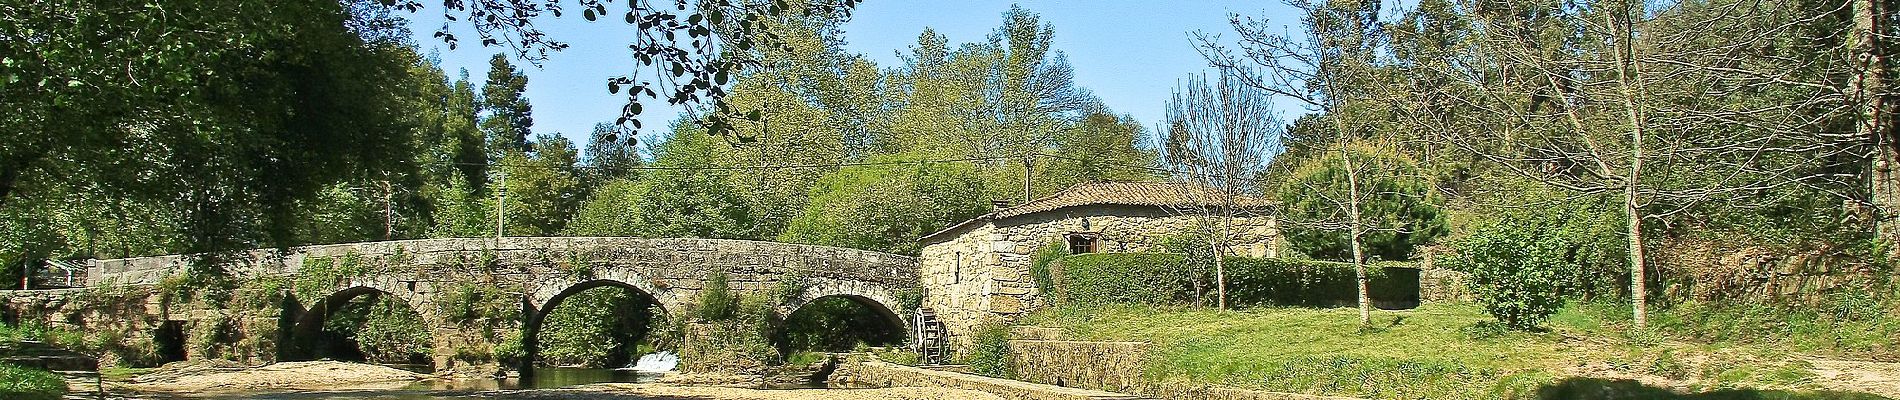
(1625,389)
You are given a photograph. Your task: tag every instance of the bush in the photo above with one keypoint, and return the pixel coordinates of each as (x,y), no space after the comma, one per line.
(1156,279)
(1517,272)
(22,383)
(990,355)
(835,324)
(716,301)
(1039,266)
(391,332)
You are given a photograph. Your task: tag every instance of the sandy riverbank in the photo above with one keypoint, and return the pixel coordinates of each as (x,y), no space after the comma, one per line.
(301,375)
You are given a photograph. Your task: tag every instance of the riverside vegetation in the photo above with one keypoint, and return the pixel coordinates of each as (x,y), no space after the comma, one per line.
(1495,346)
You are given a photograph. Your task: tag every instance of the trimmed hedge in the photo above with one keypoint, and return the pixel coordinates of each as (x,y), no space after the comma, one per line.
(1162,278)
(1123,278)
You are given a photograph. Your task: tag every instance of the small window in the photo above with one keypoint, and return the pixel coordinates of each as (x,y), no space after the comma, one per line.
(1080,243)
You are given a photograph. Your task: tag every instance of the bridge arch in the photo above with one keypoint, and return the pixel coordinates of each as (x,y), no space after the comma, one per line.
(550,295)
(550,291)
(306,336)
(889,327)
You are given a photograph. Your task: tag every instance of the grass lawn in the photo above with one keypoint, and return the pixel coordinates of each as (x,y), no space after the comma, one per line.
(23,383)
(1440,351)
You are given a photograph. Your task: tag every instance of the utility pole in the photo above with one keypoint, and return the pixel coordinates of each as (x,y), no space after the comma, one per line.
(1028,160)
(501,203)
(389,211)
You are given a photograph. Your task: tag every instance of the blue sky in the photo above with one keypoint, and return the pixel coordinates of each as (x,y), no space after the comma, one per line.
(1130,53)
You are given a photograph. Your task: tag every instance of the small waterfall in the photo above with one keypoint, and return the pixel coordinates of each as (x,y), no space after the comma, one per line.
(656,362)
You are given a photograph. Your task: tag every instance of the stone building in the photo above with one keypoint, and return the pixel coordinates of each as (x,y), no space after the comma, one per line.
(977,271)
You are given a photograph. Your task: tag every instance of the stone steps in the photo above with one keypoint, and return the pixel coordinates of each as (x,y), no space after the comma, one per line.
(41,355)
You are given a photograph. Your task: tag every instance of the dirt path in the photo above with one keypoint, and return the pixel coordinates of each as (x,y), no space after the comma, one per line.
(1881,378)
(216,377)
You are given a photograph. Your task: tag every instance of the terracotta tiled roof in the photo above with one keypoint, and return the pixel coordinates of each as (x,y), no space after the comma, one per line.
(1157,194)
(1152,194)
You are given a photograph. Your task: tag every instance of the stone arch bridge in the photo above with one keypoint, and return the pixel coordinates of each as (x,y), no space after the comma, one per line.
(435,277)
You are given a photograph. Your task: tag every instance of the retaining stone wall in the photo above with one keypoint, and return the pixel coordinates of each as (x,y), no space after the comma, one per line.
(881,374)
(1112,366)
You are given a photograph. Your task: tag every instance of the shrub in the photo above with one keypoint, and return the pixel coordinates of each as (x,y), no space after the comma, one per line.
(1517,272)
(320,274)
(17,382)
(835,324)
(990,356)
(1039,266)
(716,301)
(391,332)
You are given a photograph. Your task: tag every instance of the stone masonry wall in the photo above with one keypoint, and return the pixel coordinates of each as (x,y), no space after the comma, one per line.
(1111,366)
(1038,355)
(958,280)
(999,254)
(433,274)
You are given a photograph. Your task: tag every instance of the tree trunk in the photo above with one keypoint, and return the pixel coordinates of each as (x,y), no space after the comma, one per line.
(1639,287)
(1357,230)
(1217,245)
(1872,110)
(1630,82)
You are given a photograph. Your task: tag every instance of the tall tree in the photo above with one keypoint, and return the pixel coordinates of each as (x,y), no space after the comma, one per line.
(208,117)
(607,158)
(543,188)
(510,119)
(1102,147)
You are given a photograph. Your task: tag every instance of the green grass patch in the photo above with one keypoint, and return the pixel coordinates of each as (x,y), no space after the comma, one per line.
(806,357)
(122,373)
(1848,325)
(1437,351)
(23,383)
